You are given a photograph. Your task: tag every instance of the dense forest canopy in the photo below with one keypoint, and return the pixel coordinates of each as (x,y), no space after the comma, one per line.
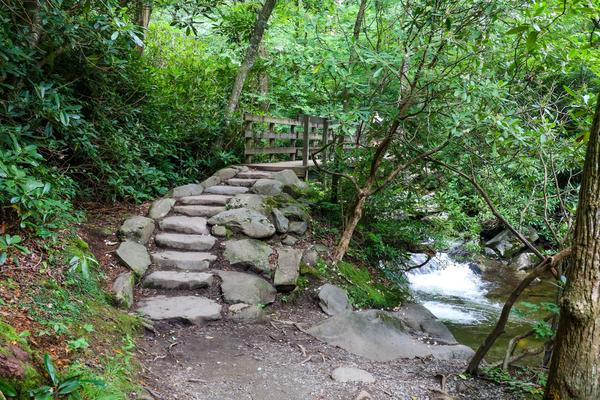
(483,108)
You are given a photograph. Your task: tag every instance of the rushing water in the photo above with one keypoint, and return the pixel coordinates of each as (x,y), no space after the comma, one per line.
(468,299)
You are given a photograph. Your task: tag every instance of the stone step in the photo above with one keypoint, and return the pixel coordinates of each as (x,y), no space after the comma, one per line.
(183,224)
(226,190)
(240,287)
(254,175)
(185,242)
(183,260)
(178,280)
(206,200)
(194,309)
(241,182)
(199,211)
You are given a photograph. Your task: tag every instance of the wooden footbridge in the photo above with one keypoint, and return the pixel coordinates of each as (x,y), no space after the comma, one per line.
(275,144)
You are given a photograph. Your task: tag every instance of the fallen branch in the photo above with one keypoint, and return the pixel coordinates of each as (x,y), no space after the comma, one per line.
(512,344)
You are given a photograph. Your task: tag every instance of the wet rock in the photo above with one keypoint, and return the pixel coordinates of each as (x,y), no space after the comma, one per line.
(194,309)
(249,313)
(267,187)
(506,245)
(349,374)
(380,336)
(122,289)
(134,256)
(249,253)
(251,223)
(280,221)
(192,189)
(288,269)
(333,300)
(138,229)
(240,287)
(161,208)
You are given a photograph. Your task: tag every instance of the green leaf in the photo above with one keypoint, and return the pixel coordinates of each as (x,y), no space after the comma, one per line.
(532,37)
(114,36)
(50,368)
(517,29)
(7,389)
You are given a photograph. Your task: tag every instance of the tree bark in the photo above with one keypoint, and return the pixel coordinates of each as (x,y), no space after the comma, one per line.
(251,54)
(355,216)
(574,371)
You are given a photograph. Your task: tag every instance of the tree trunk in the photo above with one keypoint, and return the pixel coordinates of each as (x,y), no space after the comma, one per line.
(355,216)
(263,82)
(574,371)
(251,54)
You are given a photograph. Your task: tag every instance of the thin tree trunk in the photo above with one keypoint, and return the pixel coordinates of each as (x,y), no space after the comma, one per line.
(263,82)
(575,367)
(355,216)
(251,54)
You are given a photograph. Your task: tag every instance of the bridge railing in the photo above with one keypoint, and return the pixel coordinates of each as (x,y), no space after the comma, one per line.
(285,139)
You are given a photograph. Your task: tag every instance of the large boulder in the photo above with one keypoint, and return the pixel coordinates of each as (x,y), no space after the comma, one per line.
(267,187)
(138,228)
(161,208)
(226,173)
(423,323)
(134,256)
(251,223)
(506,245)
(381,336)
(333,300)
(249,253)
(210,181)
(239,287)
(290,181)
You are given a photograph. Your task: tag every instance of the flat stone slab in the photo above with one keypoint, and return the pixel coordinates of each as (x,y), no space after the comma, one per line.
(138,228)
(192,189)
(183,224)
(178,280)
(250,201)
(350,374)
(123,289)
(239,287)
(183,260)
(182,241)
(380,336)
(288,268)
(249,253)
(134,256)
(241,182)
(250,222)
(161,208)
(199,211)
(254,175)
(205,200)
(194,309)
(226,190)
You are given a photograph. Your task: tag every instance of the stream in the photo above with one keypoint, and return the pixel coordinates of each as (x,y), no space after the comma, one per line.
(468,298)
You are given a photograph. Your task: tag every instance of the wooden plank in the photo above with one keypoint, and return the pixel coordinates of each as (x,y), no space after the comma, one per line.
(271,150)
(271,120)
(305,140)
(268,135)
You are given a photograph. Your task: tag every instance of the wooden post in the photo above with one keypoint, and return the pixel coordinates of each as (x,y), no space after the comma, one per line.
(293,142)
(305,145)
(271,140)
(249,145)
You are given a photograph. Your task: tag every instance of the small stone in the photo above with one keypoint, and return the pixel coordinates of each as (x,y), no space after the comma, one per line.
(267,187)
(192,189)
(289,240)
(185,242)
(135,256)
(280,221)
(226,173)
(161,208)
(288,269)
(138,229)
(183,224)
(194,309)
(178,280)
(242,312)
(249,253)
(349,374)
(211,181)
(240,287)
(219,230)
(298,227)
(333,300)
(123,289)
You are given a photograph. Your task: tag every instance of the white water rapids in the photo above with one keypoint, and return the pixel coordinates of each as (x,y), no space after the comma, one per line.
(453,291)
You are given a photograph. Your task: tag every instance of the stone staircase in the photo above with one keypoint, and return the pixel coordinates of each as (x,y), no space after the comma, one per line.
(221,248)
